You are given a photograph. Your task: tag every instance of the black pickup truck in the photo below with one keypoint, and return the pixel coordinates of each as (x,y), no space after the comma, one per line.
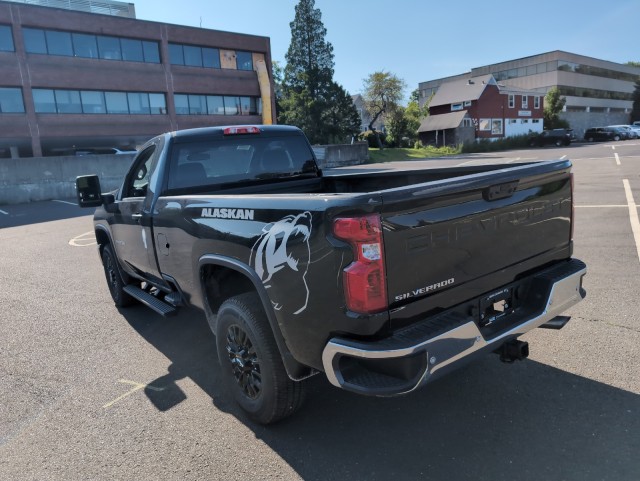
(383,280)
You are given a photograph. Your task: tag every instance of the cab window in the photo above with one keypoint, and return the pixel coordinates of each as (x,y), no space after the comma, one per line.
(138,179)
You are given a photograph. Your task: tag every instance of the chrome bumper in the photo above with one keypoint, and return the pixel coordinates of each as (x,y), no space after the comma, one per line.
(431,357)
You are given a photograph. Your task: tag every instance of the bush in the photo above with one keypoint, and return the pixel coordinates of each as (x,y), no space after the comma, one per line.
(370,137)
(488,145)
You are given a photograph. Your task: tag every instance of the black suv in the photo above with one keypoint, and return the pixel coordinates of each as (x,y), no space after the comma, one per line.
(604,133)
(556,137)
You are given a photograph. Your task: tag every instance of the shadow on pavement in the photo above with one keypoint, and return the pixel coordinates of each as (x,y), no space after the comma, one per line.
(490,421)
(15,215)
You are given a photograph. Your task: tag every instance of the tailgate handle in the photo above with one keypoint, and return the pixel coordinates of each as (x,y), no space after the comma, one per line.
(500,191)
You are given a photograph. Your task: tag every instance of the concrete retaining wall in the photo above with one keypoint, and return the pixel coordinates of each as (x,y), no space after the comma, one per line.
(45,178)
(340,155)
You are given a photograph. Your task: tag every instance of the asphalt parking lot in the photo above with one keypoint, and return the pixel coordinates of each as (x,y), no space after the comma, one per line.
(88,391)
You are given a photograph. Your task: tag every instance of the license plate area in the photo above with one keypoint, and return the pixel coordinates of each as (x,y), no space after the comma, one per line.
(496,307)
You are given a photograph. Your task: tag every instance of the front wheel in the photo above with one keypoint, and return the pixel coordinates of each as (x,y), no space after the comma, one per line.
(252,368)
(616,137)
(114,279)
(558,143)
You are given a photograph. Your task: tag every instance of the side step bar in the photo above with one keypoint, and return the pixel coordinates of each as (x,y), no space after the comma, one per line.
(150,301)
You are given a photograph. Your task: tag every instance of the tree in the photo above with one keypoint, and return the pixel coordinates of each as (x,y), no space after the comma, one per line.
(553,105)
(382,93)
(308,75)
(633,64)
(635,111)
(340,118)
(397,126)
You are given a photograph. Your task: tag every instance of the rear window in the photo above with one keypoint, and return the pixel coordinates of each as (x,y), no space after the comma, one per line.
(237,160)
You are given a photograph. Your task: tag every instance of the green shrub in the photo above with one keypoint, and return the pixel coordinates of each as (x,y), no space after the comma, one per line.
(370,137)
(487,145)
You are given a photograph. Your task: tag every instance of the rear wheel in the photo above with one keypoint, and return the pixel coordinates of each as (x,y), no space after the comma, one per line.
(589,139)
(251,364)
(114,279)
(558,143)
(616,137)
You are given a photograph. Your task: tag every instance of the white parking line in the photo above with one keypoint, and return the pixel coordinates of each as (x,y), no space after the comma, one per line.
(600,206)
(563,157)
(617,158)
(633,214)
(3,212)
(64,202)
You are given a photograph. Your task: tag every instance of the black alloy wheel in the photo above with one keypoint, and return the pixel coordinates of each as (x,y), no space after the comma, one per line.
(244,361)
(251,363)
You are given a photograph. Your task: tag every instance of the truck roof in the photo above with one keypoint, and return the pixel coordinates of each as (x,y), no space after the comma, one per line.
(218,131)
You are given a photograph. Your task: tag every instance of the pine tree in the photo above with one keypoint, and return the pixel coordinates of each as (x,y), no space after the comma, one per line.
(308,75)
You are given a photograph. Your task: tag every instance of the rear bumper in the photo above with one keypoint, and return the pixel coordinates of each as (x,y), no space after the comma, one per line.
(427,350)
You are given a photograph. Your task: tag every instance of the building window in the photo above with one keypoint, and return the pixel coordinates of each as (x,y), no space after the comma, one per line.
(455,107)
(193,56)
(496,126)
(6,39)
(93,102)
(467,103)
(467,122)
(524,121)
(85,45)
(536,102)
(74,44)
(513,121)
(244,60)
(190,104)
(485,124)
(525,102)
(512,101)
(11,100)
(34,41)
(97,102)
(535,121)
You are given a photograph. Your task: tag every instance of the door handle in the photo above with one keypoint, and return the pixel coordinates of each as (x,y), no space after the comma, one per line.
(136,217)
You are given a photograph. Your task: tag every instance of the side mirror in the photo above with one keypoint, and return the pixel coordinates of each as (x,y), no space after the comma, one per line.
(88,191)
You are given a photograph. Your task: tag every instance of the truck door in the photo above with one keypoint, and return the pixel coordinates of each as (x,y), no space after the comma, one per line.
(132,227)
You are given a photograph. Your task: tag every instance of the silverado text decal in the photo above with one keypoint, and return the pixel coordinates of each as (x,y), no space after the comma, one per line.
(424,290)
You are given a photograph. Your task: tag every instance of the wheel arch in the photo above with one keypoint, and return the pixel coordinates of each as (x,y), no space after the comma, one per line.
(240,278)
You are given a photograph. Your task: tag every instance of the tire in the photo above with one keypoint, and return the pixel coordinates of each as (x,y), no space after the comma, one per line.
(252,367)
(589,139)
(114,279)
(616,137)
(558,143)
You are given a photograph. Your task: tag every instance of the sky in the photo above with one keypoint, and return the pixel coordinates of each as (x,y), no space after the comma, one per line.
(420,40)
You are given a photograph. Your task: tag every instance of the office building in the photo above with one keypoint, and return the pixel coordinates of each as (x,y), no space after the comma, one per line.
(73,80)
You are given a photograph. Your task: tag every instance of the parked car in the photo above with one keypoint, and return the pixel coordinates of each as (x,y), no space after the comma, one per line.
(636,129)
(602,134)
(636,123)
(556,137)
(631,133)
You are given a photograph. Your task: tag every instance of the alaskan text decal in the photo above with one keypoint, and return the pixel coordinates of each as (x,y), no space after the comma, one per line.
(241,214)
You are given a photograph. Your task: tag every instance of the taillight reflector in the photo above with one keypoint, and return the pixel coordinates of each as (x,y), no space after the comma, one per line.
(365,284)
(241,130)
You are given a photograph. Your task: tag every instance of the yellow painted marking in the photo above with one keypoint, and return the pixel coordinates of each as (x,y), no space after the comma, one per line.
(84,240)
(136,387)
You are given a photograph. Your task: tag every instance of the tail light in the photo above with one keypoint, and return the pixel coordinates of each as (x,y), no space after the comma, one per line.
(365,285)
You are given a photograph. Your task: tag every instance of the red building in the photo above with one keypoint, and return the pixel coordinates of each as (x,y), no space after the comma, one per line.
(479,108)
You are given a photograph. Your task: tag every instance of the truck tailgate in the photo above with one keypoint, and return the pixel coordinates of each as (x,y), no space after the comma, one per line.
(449,240)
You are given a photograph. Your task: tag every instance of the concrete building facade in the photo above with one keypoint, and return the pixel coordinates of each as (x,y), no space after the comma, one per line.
(74,80)
(597,92)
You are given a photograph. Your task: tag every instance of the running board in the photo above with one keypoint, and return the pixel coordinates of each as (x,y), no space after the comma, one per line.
(150,301)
